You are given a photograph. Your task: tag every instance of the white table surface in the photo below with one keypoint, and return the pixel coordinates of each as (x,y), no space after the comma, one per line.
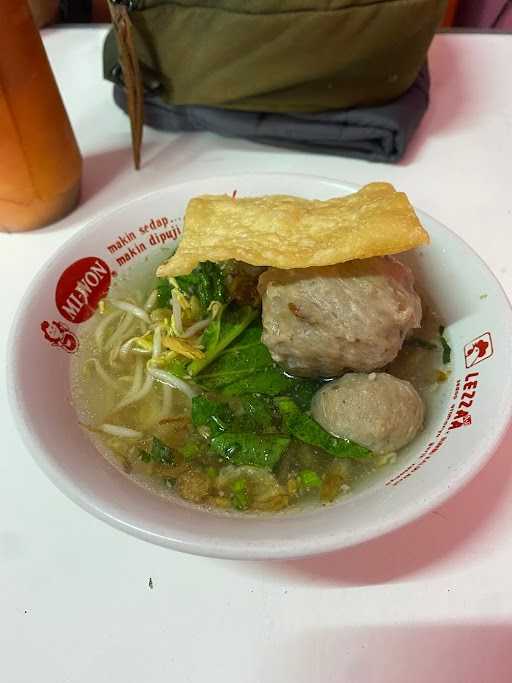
(429,603)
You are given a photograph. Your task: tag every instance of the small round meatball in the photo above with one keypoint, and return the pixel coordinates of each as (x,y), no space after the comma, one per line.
(318,322)
(378,410)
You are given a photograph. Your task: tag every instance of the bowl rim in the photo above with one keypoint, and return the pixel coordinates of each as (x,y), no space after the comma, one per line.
(263,550)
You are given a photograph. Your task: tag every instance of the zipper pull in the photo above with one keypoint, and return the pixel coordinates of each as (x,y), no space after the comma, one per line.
(131,71)
(150,80)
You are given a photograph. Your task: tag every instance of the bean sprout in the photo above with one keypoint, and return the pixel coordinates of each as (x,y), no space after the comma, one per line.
(137,377)
(173,381)
(124,432)
(167,400)
(127,332)
(127,346)
(157,342)
(176,312)
(102,373)
(137,311)
(100,330)
(151,300)
(196,327)
(137,396)
(122,329)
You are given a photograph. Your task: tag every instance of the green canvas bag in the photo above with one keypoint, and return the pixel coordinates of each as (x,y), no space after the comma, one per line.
(278,55)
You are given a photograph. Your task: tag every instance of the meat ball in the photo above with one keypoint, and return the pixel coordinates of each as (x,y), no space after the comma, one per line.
(318,322)
(378,411)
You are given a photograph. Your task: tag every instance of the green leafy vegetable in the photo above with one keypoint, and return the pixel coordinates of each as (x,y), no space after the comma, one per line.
(206,282)
(176,366)
(246,367)
(302,391)
(273,381)
(260,450)
(254,413)
(270,381)
(163,292)
(309,479)
(233,322)
(257,414)
(239,494)
(304,428)
(158,452)
(447,351)
(217,416)
(211,335)
(239,360)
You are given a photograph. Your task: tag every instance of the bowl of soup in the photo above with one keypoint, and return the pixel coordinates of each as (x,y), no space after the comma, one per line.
(242,396)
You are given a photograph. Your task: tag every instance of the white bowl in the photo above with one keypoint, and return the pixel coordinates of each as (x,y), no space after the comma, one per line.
(442,458)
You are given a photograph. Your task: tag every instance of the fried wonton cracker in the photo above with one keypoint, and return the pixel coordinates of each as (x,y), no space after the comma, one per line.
(291,232)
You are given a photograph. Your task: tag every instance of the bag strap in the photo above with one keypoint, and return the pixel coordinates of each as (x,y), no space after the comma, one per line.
(131,73)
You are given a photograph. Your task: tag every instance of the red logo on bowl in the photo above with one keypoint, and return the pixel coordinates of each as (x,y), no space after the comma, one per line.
(80,288)
(462,416)
(59,335)
(478,350)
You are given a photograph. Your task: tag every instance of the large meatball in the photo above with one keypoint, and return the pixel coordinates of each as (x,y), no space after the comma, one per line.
(318,322)
(378,410)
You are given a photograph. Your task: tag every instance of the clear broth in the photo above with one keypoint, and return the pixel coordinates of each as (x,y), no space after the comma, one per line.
(205,479)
